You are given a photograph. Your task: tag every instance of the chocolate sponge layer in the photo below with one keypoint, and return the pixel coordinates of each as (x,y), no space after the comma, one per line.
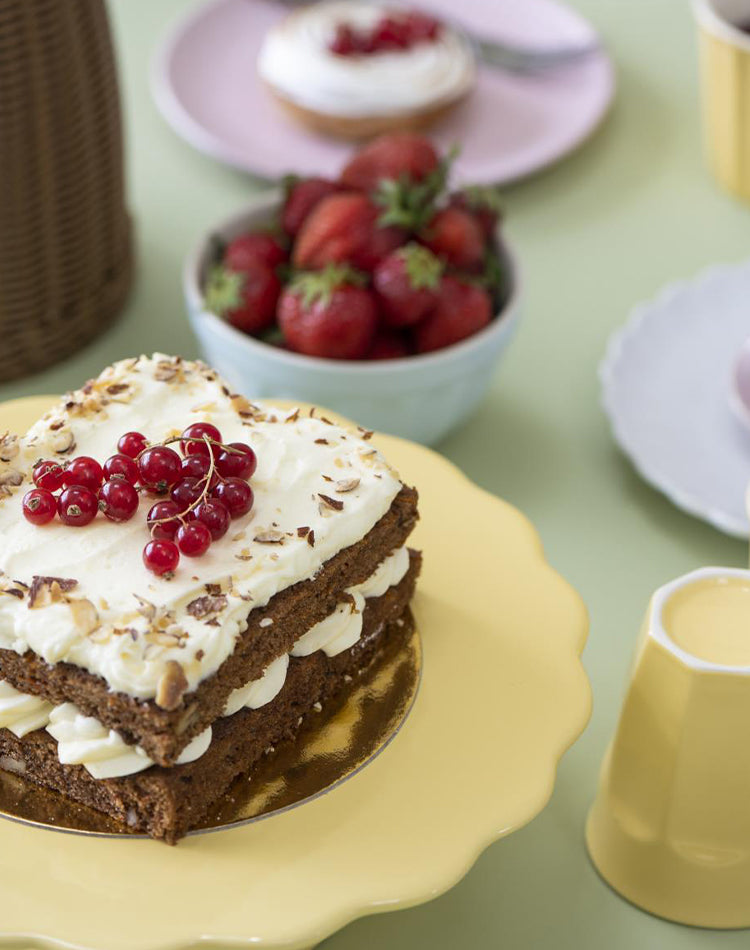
(165,733)
(165,803)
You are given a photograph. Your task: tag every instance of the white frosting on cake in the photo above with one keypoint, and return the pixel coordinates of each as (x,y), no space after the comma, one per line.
(296,61)
(83,740)
(122,622)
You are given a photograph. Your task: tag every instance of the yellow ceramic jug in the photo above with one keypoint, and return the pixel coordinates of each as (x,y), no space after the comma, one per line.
(670,826)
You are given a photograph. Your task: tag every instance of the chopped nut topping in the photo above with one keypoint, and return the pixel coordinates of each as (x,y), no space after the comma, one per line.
(311,539)
(166,370)
(64,441)
(266,622)
(244,555)
(347,484)
(321,441)
(303,531)
(365,433)
(10,478)
(126,632)
(269,537)
(9,447)
(85,615)
(13,591)
(172,686)
(293,417)
(204,606)
(49,590)
(335,503)
(145,608)
(213,589)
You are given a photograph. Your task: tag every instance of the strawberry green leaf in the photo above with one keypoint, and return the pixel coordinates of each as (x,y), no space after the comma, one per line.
(423,268)
(223,290)
(318,286)
(408,204)
(479,197)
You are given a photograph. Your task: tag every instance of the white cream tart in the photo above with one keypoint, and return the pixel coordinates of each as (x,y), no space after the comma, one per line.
(393,86)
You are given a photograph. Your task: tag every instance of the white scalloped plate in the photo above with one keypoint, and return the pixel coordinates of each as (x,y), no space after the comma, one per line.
(667,377)
(503,695)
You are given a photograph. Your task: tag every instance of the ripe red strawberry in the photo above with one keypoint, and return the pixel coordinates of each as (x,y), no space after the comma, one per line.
(257,248)
(407,282)
(388,345)
(329,313)
(484,203)
(343,228)
(247,300)
(393,155)
(462,309)
(455,236)
(302,194)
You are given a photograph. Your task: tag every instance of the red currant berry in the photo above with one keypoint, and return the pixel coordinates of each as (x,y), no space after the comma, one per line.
(161,557)
(83,471)
(215,516)
(48,475)
(236,495)
(238,464)
(77,506)
(118,500)
(187,491)
(193,539)
(132,444)
(122,467)
(159,468)
(155,519)
(193,442)
(195,466)
(39,506)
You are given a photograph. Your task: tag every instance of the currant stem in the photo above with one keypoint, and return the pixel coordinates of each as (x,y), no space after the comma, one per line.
(204,493)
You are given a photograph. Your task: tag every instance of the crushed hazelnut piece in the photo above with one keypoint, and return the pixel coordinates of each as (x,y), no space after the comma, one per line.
(347,484)
(172,686)
(335,503)
(269,537)
(49,590)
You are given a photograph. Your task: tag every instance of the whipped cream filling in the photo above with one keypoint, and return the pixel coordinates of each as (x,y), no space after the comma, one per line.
(296,61)
(83,740)
(318,489)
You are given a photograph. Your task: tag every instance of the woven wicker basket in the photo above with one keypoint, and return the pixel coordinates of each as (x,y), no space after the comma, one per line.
(65,252)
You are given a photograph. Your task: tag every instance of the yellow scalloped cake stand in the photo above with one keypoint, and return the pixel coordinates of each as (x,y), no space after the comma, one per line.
(503,695)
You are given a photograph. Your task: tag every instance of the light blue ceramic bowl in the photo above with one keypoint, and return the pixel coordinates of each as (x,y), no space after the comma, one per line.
(418,397)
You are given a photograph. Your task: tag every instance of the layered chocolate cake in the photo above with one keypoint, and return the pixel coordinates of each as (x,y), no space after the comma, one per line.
(143,669)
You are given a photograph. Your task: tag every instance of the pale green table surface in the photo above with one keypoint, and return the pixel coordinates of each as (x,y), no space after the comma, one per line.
(606,228)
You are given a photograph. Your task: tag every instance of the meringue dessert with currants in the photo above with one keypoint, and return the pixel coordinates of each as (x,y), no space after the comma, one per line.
(355,70)
(185,579)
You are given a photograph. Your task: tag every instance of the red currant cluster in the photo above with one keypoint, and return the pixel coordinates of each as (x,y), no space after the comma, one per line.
(207,487)
(394,31)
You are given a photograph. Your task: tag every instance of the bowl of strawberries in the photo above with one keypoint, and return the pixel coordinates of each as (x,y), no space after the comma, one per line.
(382,294)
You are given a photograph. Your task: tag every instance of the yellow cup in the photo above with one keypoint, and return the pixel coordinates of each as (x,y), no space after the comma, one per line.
(670,826)
(725,81)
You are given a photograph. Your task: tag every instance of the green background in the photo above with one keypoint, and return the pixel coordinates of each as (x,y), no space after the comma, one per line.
(633,209)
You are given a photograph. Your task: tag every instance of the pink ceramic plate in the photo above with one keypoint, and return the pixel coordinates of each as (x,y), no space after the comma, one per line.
(206,87)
